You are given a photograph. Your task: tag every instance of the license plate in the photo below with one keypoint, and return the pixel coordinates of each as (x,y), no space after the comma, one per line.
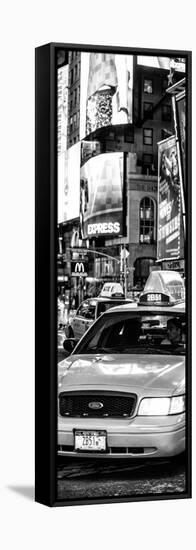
(90,441)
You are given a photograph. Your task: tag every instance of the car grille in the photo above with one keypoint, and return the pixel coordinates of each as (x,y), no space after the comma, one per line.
(97,404)
(131,451)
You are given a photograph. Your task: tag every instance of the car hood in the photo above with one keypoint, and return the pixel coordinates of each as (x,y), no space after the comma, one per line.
(165,372)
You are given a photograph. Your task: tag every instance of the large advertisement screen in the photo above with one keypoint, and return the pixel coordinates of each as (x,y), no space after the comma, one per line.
(106,91)
(101,196)
(170,230)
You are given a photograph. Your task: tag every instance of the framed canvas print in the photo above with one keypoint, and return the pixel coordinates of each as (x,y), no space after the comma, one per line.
(113,274)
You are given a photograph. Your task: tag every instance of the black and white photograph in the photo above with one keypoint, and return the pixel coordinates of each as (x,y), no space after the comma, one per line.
(123,377)
(97,275)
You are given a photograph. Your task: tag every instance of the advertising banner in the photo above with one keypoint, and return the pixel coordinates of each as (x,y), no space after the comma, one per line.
(62,107)
(69,184)
(101,196)
(181,129)
(176,63)
(62,120)
(106,91)
(170,229)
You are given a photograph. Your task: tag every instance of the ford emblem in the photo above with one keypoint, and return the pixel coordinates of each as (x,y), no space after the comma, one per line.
(95,405)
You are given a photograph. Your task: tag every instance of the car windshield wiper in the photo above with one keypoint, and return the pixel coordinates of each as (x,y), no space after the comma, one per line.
(117,349)
(153,350)
(164,350)
(100,349)
(137,349)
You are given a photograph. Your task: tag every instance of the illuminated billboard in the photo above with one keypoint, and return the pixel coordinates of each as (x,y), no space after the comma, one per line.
(69,184)
(62,117)
(106,91)
(89,149)
(170,230)
(101,196)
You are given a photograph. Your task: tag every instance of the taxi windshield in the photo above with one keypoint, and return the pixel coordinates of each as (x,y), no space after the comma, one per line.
(136,333)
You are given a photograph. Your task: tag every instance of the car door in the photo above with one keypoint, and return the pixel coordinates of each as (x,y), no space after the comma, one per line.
(79,321)
(90,314)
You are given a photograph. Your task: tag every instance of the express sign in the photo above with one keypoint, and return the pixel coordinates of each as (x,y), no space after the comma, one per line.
(103,228)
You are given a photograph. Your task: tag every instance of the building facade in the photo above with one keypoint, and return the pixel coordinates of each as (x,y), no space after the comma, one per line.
(74,98)
(151,122)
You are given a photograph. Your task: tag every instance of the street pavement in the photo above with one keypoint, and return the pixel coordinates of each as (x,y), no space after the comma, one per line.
(86,479)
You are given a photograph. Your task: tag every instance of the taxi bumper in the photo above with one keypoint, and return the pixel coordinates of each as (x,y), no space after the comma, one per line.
(140,439)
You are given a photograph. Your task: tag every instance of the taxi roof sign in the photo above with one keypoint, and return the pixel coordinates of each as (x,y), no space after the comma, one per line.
(112,290)
(155,298)
(166,282)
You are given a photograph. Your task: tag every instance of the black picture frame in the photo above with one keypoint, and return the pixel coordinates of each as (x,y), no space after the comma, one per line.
(46,272)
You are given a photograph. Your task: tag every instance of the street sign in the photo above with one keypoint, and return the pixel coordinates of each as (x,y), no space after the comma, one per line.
(124,254)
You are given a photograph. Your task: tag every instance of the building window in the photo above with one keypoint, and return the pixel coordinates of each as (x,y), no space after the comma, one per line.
(76,71)
(166,113)
(148,86)
(147,221)
(142,270)
(74,122)
(165,133)
(147,159)
(75,96)
(71,77)
(148,136)
(148,110)
(148,167)
(71,123)
(128,133)
(164,85)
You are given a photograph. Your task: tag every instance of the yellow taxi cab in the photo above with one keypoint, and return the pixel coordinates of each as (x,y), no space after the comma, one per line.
(121,392)
(88,311)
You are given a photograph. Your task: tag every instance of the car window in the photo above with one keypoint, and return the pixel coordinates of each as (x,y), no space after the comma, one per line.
(104,306)
(87,310)
(90,312)
(136,333)
(82,309)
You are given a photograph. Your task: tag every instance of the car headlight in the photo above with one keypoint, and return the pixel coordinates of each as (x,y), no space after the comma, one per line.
(162,406)
(177,404)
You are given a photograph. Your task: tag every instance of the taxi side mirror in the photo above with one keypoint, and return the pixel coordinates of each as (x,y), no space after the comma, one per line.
(69,344)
